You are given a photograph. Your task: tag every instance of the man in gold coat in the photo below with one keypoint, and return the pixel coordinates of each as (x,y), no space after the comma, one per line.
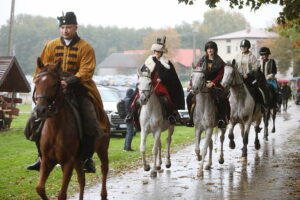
(78,61)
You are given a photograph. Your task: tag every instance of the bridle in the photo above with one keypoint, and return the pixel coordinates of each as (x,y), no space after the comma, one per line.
(203,84)
(50,99)
(236,76)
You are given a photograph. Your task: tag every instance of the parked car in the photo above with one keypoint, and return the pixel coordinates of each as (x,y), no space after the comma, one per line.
(297,98)
(110,97)
(184,114)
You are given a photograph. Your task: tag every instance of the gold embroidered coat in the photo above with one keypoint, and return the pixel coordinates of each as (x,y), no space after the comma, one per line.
(79,59)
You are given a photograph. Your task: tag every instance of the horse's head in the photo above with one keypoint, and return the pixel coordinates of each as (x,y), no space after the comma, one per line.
(198,79)
(144,85)
(231,76)
(47,86)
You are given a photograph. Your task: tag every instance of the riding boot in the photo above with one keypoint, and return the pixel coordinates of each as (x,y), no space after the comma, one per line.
(222,114)
(37,164)
(190,104)
(88,151)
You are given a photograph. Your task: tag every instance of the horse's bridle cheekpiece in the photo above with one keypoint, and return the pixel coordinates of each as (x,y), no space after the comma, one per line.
(51,100)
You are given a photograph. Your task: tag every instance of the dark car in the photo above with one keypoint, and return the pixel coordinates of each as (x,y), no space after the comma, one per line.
(297,98)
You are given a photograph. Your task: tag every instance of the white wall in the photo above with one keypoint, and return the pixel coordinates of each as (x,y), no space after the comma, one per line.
(234,45)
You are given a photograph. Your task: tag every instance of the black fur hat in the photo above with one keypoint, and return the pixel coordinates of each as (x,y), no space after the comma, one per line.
(68,18)
(211,45)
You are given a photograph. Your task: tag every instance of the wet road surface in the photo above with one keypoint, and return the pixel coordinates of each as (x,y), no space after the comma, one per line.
(273,172)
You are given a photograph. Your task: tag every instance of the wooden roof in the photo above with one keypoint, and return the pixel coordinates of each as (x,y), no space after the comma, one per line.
(12,78)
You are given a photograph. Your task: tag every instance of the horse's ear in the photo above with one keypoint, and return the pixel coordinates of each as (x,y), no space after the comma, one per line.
(57,64)
(39,63)
(193,65)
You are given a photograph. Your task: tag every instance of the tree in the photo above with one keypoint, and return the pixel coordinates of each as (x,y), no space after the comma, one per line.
(215,22)
(290,11)
(285,49)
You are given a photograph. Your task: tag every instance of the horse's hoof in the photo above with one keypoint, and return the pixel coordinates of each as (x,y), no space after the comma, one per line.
(207,167)
(168,165)
(273,130)
(199,157)
(158,168)
(221,160)
(232,145)
(147,168)
(266,139)
(257,145)
(103,197)
(153,174)
(200,173)
(244,159)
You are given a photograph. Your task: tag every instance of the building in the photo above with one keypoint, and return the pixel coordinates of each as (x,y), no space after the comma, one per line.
(229,44)
(127,62)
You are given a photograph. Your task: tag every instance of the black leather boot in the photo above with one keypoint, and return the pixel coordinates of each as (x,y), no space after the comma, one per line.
(88,151)
(89,166)
(36,166)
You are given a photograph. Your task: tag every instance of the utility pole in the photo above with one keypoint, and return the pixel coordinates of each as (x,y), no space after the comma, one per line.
(194,47)
(10,34)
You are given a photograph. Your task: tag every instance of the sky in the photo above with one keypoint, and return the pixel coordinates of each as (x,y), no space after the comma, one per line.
(132,13)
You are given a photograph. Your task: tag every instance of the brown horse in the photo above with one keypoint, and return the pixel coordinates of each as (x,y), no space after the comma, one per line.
(60,138)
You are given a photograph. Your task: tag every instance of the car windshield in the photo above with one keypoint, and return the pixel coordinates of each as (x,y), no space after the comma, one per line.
(109,95)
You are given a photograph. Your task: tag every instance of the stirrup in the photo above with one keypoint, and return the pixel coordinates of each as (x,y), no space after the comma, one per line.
(221,124)
(35,166)
(89,166)
(172,120)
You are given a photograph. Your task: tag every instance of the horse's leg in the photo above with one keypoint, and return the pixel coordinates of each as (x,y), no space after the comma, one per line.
(222,137)
(245,140)
(210,147)
(80,178)
(67,170)
(159,161)
(204,150)
(102,151)
(198,131)
(44,174)
(169,140)
(155,151)
(274,118)
(231,136)
(143,150)
(266,117)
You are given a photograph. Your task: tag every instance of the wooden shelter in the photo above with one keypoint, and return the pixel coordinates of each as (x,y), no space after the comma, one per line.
(12,81)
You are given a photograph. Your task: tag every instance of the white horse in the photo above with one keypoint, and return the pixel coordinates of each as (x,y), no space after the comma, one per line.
(243,109)
(205,119)
(152,121)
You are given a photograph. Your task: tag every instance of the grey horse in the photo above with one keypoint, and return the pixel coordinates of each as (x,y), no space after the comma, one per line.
(244,111)
(152,121)
(205,119)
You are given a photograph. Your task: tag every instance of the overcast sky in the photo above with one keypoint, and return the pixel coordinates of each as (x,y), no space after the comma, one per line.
(131,13)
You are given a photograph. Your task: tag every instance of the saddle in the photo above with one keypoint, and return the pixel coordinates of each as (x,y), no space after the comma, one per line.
(34,126)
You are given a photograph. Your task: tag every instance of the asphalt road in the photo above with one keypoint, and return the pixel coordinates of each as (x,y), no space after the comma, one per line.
(273,172)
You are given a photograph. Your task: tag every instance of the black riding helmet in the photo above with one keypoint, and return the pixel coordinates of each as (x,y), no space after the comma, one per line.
(245,43)
(211,45)
(264,51)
